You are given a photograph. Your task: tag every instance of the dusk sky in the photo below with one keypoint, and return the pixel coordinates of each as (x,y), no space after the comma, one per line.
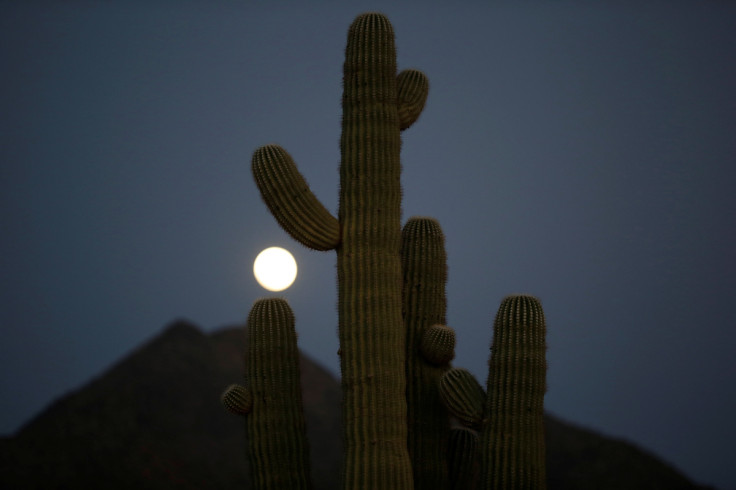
(580,151)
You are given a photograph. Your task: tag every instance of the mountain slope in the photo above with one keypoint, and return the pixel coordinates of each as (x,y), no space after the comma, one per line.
(154,420)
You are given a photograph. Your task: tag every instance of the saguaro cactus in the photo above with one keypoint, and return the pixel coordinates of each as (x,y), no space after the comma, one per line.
(430,346)
(512,441)
(272,400)
(510,414)
(395,348)
(377,105)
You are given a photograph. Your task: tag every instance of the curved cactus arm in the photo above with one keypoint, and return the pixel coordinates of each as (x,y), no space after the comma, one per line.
(237,399)
(413,88)
(463,458)
(463,396)
(292,203)
(512,442)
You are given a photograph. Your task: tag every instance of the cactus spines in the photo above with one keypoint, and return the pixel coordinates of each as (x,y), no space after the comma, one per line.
(276,428)
(290,200)
(438,344)
(512,441)
(463,396)
(424,267)
(237,399)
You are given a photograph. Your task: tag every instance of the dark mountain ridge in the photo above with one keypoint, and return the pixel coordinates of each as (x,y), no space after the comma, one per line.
(154,420)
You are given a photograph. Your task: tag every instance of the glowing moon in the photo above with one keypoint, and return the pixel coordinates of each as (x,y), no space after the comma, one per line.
(275,269)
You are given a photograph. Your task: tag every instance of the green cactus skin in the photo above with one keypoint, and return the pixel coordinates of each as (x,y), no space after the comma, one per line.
(237,399)
(290,200)
(424,266)
(463,458)
(512,440)
(463,396)
(438,345)
(372,337)
(278,450)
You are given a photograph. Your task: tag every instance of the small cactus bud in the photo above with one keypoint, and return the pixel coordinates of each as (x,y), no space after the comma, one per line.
(438,344)
(237,399)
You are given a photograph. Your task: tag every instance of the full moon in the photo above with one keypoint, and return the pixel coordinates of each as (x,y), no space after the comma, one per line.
(275,269)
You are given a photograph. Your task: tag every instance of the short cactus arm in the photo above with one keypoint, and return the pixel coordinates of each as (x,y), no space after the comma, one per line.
(413,88)
(288,197)
(237,399)
(463,396)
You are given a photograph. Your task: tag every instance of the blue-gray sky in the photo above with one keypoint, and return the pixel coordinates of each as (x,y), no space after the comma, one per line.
(580,151)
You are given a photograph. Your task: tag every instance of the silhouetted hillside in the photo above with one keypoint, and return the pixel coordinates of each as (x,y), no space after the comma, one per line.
(154,420)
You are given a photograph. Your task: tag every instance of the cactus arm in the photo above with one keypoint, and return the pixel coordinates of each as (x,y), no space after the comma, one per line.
(424,267)
(463,396)
(278,450)
(512,441)
(292,203)
(413,89)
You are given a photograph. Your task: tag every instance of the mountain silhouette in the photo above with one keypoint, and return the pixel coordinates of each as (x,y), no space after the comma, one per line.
(154,421)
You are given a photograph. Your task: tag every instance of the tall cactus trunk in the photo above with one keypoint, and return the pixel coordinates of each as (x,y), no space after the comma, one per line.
(371,331)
